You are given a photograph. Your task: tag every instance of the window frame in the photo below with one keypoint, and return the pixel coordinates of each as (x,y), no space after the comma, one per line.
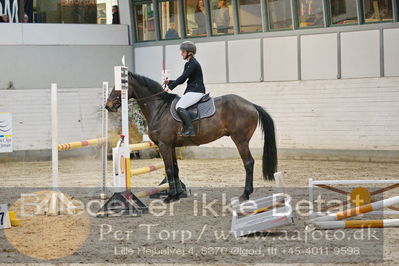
(376,22)
(235,15)
(237,10)
(312,27)
(141,2)
(269,29)
(330,16)
(236,20)
(178,18)
(183,17)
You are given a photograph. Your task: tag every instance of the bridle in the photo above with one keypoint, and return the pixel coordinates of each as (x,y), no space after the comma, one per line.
(117,101)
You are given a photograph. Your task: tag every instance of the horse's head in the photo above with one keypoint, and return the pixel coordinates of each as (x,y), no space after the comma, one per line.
(114,101)
(140,88)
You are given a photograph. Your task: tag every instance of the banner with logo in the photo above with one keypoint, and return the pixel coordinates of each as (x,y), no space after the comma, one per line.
(5,132)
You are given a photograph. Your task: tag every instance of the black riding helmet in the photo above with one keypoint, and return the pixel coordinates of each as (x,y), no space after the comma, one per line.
(188,47)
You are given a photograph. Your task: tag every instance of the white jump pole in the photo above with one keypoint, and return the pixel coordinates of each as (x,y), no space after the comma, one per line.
(358,210)
(54,136)
(105,137)
(358,224)
(121,154)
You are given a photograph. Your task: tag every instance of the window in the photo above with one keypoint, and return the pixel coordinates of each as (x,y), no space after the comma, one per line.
(222,17)
(169,20)
(310,13)
(279,14)
(145,22)
(69,11)
(107,12)
(343,11)
(250,15)
(195,15)
(377,10)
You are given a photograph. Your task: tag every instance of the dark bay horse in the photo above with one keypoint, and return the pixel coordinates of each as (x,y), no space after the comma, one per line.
(234,117)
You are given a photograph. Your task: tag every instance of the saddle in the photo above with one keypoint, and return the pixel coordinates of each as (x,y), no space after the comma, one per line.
(202,109)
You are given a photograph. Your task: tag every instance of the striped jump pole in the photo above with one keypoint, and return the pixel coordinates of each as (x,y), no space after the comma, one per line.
(358,210)
(54,135)
(80,144)
(142,146)
(151,191)
(147,169)
(358,224)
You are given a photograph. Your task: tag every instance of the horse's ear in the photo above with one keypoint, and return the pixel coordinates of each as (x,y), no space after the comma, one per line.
(131,75)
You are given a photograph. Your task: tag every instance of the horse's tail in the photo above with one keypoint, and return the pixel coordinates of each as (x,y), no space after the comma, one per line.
(269,160)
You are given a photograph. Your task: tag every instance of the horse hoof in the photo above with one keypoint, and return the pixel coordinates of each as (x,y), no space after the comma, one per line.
(170,198)
(243,198)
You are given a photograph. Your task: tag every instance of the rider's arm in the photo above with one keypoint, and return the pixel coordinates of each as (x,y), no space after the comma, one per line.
(180,80)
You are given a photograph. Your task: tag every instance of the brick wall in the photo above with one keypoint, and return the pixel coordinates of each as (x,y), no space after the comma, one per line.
(350,114)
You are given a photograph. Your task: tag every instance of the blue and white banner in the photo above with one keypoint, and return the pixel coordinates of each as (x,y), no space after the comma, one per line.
(5,132)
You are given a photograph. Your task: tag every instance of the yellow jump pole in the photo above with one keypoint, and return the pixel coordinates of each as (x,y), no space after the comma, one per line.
(80,144)
(141,146)
(147,169)
(151,191)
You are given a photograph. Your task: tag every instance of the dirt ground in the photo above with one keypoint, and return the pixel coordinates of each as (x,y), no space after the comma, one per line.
(185,233)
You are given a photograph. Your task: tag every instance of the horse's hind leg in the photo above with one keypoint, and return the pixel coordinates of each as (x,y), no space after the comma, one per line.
(248,160)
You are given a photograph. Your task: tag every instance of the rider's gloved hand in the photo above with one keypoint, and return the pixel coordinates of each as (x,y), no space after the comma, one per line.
(165,85)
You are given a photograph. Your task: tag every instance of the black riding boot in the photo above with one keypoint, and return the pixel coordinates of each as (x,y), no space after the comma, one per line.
(188,125)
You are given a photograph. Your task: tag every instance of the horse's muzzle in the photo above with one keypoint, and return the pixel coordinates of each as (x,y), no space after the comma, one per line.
(111,107)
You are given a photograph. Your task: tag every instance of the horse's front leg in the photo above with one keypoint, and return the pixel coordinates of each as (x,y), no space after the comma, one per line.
(179,187)
(167,153)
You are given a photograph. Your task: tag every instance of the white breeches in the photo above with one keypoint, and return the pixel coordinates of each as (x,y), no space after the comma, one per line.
(189,99)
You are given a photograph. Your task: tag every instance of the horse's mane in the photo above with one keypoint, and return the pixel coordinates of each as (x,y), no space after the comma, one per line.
(152,86)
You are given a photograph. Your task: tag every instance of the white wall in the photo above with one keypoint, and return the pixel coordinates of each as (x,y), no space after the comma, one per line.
(244,60)
(351,114)
(63,34)
(72,66)
(11,33)
(319,55)
(174,63)
(360,53)
(280,58)
(391,52)
(212,57)
(148,61)
(79,116)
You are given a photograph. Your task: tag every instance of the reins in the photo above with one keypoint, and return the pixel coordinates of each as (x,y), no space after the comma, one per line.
(149,98)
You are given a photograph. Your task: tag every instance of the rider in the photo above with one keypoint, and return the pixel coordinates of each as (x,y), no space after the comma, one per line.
(195,86)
